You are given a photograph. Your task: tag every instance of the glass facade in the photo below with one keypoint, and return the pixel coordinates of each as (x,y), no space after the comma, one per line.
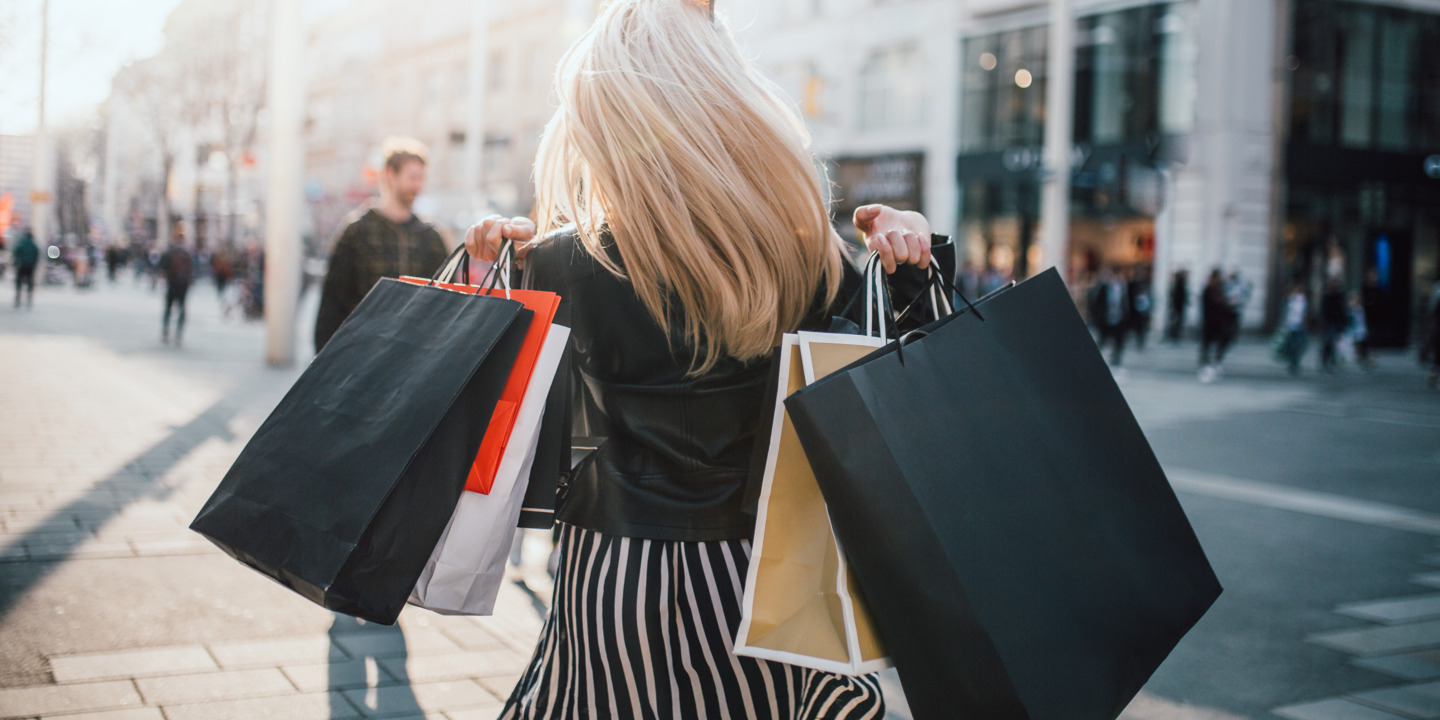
(1364,122)
(1365,77)
(1134,97)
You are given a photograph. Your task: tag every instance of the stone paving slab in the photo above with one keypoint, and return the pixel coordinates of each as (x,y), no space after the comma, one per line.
(472,637)
(1424,665)
(455,666)
(60,699)
(1334,709)
(428,697)
(1381,640)
(344,675)
(392,644)
(309,706)
(271,653)
(132,714)
(207,687)
(1422,700)
(131,663)
(1392,611)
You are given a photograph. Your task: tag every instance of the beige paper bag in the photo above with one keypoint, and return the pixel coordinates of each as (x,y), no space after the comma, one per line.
(800,605)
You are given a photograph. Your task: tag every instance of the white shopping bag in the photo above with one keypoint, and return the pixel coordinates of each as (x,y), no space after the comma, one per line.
(800,605)
(464,573)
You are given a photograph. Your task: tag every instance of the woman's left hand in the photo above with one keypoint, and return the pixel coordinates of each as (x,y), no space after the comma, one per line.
(898,236)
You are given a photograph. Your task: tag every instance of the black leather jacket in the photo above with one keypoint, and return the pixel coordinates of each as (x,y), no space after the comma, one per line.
(676,460)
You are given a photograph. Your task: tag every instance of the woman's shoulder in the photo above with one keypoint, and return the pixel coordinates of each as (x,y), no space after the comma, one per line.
(560,258)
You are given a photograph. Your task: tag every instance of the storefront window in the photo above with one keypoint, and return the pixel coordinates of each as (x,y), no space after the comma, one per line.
(1357,74)
(892,90)
(1004,91)
(1178,56)
(1397,84)
(1365,77)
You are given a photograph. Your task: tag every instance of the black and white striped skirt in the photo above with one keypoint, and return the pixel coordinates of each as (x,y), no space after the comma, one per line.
(645,629)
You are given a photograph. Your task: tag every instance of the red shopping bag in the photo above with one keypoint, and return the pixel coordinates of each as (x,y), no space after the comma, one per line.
(497,433)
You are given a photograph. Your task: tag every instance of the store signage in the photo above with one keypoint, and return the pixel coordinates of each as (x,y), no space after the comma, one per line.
(1432,166)
(1019,159)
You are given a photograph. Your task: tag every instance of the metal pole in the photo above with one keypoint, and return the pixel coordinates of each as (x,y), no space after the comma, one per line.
(282,204)
(1059,137)
(475,118)
(42,169)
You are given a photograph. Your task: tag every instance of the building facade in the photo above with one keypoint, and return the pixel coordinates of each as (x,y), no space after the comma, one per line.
(378,69)
(1281,139)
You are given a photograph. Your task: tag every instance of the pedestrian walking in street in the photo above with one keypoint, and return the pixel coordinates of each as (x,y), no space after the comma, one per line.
(177,265)
(1296,313)
(1433,342)
(1142,303)
(1179,303)
(700,235)
(1333,319)
(1217,320)
(1357,333)
(387,240)
(1110,312)
(25,257)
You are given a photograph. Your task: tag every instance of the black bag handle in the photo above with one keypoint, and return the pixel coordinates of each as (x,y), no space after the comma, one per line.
(456,263)
(938,281)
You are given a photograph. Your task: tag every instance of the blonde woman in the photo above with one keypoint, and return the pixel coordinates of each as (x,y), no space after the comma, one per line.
(683,222)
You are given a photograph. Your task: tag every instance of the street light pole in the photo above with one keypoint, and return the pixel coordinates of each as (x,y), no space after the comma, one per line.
(475,107)
(42,169)
(1059,136)
(282,203)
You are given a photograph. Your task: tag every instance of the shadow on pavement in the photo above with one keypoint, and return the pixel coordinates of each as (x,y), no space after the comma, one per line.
(373,649)
(59,536)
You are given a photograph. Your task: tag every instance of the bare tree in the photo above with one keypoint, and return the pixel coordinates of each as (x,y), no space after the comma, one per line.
(207,88)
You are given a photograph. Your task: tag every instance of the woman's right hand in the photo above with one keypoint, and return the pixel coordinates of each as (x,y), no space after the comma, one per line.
(483,240)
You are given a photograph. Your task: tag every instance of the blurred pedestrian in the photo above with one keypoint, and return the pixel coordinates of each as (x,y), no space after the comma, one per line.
(1433,314)
(1333,319)
(1142,304)
(388,240)
(26,257)
(1372,303)
(1356,332)
(178,267)
(221,270)
(1179,303)
(1110,311)
(1216,326)
(112,261)
(1296,312)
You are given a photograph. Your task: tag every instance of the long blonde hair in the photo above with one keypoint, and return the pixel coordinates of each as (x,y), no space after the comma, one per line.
(666,138)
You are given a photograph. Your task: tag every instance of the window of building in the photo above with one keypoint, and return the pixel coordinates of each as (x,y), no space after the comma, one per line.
(460,84)
(1364,77)
(434,88)
(1003,95)
(892,90)
(495,71)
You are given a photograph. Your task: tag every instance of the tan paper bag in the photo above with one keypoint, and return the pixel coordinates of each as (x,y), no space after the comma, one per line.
(800,605)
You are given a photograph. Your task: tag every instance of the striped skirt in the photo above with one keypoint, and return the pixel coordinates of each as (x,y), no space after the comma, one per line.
(644,629)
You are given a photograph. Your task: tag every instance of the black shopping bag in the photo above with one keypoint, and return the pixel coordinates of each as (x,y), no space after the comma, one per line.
(343,492)
(1020,549)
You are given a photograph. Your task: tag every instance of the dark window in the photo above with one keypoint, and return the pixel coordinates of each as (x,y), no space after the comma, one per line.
(1365,77)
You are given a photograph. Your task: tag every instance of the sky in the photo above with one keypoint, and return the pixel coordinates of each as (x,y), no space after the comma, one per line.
(89,41)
